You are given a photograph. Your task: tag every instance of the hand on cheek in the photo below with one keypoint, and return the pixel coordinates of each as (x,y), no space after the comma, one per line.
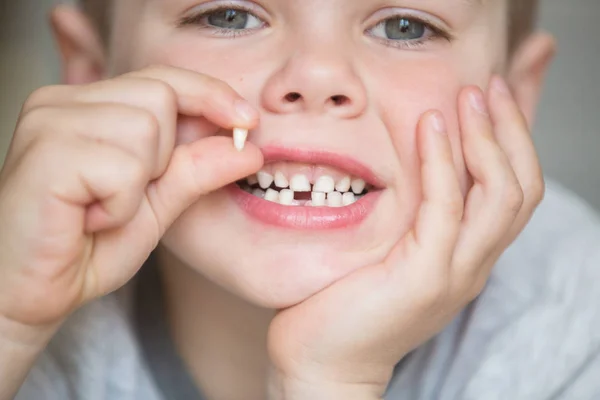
(352,334)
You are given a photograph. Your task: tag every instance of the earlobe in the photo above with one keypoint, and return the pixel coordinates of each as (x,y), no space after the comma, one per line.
(528,69)
(81,50)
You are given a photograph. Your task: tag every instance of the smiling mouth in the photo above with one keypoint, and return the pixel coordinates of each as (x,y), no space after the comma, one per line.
(311,186)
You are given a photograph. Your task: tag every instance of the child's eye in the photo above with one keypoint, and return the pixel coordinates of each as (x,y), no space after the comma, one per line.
(224,20)
(406,31)
(233,19)
(400,29)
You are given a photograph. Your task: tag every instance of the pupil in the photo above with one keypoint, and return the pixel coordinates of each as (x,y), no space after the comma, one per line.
(404,29)
(229,19)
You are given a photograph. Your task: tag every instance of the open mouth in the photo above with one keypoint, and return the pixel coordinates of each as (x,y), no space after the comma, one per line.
(307,189)
(305,186)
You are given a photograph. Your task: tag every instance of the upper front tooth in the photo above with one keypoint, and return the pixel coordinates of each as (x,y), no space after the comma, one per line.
(300,183)
(343,185)
(358,185)
(334,199)
(324,184)
(265,179)
(286,197)
(280,180)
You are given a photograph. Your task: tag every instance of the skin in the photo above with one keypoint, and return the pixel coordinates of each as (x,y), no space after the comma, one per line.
(460,172)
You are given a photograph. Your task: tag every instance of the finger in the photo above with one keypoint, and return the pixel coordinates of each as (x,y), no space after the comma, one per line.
(132,130)
(202,95)
(196,169)
(438,220)
(99,182)
(156,97)
(514,138)
(495,198)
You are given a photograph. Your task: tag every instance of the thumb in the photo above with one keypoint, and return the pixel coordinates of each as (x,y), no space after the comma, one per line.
(197,169)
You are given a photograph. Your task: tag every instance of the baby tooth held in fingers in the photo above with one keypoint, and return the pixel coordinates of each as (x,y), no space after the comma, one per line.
(280,180)
(239,138)
(324,184)
(264,179)
(343,185)
(334,199)
(272,195)
(348,198)
(358,186)
(286,197)
(318,199)
(300,183)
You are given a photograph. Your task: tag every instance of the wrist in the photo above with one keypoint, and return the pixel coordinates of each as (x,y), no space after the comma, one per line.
(20,346)
(287,388)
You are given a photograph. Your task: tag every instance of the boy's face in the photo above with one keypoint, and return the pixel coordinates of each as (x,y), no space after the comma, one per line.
(349,78)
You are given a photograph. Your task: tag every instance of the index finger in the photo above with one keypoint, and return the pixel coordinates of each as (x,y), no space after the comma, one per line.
(202,95)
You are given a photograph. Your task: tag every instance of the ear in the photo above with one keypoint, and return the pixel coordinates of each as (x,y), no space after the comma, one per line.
(527,71)
(81,50)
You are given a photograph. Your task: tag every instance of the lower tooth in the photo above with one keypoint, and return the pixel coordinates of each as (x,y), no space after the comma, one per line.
(318,199)
(334,199)
(258,193)
(286,197)
(348,198)
(272,195)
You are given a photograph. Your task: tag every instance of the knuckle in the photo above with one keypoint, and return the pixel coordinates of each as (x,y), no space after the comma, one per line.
(513,197)
(144,124)
(535,191)
(41,97)
(163,93)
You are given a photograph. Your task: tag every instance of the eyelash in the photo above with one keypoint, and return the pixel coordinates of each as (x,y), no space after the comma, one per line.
(198,20)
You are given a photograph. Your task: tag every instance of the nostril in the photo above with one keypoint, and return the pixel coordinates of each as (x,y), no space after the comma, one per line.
(293,97)
(340,100)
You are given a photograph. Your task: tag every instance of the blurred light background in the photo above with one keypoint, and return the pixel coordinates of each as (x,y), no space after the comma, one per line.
(567,133)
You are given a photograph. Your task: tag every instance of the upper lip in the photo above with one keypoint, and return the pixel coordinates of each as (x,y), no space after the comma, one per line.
(322,157)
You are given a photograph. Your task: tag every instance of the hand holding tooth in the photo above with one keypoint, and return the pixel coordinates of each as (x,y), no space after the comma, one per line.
(96,165)
(345,341)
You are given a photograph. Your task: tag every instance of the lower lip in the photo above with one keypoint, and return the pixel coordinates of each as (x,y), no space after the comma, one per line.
(298,217)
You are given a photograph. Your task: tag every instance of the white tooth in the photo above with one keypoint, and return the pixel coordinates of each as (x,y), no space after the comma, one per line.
(358,185)
(252,180)
(239,138)
(324,184)
(343,185)
(286,197)
(308,204)
(334,199)
(318,199)
(272,195)
(300,183)
(259,193)
(280,180)
(265,179)
(348,198)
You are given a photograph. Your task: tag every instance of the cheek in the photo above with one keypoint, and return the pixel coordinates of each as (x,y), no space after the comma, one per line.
(404,95)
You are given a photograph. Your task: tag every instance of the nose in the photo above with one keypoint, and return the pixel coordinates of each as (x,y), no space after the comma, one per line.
(317,82)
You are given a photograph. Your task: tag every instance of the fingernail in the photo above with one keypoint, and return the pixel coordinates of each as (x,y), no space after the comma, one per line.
(478,102)
(245,110)
(438,123)
(499,84)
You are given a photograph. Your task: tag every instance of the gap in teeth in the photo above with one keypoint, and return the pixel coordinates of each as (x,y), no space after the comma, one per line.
(285,196)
